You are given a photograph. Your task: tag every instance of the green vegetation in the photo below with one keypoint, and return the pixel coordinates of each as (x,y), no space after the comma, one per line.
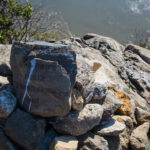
(19,22)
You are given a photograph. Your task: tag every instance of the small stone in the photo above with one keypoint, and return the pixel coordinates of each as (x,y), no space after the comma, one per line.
(7,103)
(125,109)
(111,128)
(25,130)
(77,100)
(140,137)
(78,123)
(64,143)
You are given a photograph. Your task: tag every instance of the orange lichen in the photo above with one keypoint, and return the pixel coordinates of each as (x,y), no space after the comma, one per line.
(96,66)
(125,109)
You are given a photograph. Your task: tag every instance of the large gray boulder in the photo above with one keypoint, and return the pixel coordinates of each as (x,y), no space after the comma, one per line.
(25,130)
(78,123)
(43,77)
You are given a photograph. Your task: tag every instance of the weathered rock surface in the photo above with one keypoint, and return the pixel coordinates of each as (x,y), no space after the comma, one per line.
(142,116)
(78,123)
(25,130)
(111,128)
(123,137)
(108,47)
(136,69)
(76,100)
(7,103)
(43,76)
(90,141)
(110,105)
(80,87)
(140,137)
(126,107)
(47,139)
(106,77)
(64,143)
(5,143)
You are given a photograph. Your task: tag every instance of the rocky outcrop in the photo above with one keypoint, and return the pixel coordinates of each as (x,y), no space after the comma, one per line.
(43,76)
(91,141)
(136,70)
(87,93)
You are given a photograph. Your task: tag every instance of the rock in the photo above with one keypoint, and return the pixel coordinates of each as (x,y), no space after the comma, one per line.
(8,103)
(136,70)
(142,116)
(110,105)
(140,137)
(47,139)
(3,80)
(78,123)
(90,89)
(124,137)
(89,141)
(5,143)
(43,77)
(108,47)
(5,70)
(111,128)
(77,100)
(64,143)
(126,107)
(25,130)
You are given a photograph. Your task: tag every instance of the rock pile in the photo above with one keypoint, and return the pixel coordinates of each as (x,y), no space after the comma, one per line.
(87,93)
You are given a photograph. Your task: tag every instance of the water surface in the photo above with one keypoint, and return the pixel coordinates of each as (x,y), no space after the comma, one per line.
(114,18)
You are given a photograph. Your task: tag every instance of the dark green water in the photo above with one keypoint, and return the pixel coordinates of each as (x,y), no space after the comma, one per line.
(114,18)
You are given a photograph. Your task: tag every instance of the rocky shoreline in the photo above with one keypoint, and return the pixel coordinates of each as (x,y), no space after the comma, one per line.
(89,93)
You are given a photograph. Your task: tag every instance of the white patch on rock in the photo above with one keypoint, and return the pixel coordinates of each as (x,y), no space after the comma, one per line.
(33,64)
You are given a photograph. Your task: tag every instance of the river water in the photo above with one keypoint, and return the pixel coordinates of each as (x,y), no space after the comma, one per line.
(114,18)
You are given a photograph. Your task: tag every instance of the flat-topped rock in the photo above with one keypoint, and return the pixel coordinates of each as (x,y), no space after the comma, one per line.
(78,123)
(43,77)
(111,128)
